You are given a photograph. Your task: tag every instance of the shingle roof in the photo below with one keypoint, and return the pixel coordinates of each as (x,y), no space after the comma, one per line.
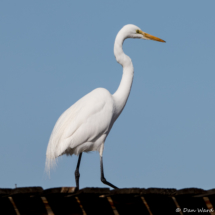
(102,201)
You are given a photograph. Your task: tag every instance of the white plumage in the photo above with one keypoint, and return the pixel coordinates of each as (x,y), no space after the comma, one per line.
(85,125)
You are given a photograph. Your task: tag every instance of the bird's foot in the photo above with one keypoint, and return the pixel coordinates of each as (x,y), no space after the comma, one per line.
(76,189)
(108,183)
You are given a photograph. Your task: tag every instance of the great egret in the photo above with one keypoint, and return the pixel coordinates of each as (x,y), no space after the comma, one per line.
(85,125)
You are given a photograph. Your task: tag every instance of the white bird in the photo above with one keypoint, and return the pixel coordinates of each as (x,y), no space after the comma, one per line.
(85,125)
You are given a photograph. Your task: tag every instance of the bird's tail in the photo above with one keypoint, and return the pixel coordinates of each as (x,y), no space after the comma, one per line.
(51,160)
(50,163)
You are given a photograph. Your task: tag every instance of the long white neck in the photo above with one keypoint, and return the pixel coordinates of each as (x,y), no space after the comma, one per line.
(123,91)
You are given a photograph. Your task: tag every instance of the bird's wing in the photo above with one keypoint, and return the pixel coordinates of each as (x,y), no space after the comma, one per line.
(83,122)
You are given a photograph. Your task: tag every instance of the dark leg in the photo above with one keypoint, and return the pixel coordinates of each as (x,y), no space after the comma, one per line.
(103,177)
(77,174)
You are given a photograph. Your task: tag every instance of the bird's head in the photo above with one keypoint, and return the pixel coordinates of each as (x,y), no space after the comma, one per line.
(129,31)
(132,31)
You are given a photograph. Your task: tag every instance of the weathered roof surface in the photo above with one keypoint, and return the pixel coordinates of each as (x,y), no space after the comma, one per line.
(102,201)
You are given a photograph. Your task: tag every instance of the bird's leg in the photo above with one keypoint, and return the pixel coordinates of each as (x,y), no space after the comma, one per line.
(77,174)
(103,177)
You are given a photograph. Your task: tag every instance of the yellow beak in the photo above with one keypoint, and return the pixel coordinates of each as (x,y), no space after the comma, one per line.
(151,37)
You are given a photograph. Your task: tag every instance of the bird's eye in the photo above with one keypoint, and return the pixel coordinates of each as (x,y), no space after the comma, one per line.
(138,31)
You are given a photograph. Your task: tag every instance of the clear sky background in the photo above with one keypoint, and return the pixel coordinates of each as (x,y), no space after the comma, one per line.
(54,52)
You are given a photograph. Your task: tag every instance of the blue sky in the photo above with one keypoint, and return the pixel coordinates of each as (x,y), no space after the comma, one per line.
(54,52)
